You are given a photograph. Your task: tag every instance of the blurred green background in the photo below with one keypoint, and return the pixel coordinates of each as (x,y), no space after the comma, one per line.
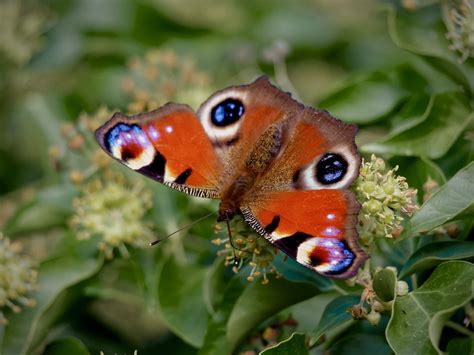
(61,58)
(402,70)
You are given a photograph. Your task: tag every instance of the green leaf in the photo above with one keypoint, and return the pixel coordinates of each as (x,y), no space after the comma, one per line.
(385,283)
(461,346)
(294,345)
(49,209)
(360,344)
(307,320)
(259,302)
(364,101)
(294,271)
(460,155)
(445,118)
(422,32)
(453,201)
(216,340)
(410,114)
(417,318)
(214,285)
(68,345)
(54,276)
(180,299)
(432,254)
(418,171)
(335,315)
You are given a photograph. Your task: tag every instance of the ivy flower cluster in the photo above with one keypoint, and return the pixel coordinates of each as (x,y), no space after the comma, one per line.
(371,306)
(251,249)
(114,211)
(459,20)
(81,157)
(18,279)
(385,197)
(109,207)
(162,76)
(22,25)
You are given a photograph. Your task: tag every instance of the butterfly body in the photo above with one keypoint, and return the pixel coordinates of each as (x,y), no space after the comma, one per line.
(284,166)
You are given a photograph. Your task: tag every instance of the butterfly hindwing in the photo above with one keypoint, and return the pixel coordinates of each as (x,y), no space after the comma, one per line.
(320,153)
(316,228)
(168,145)
(301,203)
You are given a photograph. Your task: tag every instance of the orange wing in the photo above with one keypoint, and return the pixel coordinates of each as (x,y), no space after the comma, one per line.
(301,203)
(168,145)
(261,104)
(317,228)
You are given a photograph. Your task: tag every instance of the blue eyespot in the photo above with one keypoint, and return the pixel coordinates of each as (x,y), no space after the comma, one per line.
(227,112)
(123,133)
(331,168)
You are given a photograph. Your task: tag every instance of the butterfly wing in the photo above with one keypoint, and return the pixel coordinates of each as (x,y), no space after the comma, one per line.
(251,110)
(317,228)
(197,153)
(301,204)
(168,145)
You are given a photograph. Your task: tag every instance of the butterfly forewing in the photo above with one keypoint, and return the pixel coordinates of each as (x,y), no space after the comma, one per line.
(168,145)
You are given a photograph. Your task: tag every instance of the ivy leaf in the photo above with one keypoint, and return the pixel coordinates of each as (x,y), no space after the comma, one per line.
(68,345)
(432,254)
(317,304)
(410,114)
(180,299)
(294,271)
(216,339)
(335,315)
(54,276)
(445,118)
(461,346)
(364,101)
(422,32)
(214,285)
(460,155)
(360,344)
(259,302)
(453,201)
(49,209)
(294,345)
(417,171)
(417,318)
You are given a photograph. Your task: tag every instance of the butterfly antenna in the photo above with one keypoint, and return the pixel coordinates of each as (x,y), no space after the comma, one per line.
(182,228)
(236,259)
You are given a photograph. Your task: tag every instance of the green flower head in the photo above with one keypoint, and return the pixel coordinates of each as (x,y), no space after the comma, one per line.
(459,20)
(385,198)
(113,210)
(163,76)
(18,278)
(251,249)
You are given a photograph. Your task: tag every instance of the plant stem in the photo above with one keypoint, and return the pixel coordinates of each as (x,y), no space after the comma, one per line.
(414,281)
(340,290)
(459,328)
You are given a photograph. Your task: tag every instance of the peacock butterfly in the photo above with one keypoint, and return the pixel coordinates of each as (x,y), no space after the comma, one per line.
(284,166)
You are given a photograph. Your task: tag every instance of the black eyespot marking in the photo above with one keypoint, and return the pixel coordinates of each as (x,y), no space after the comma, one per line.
(156,170)
(273,225)
(181,179)
(331,168)
(290,244)
(227,112)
